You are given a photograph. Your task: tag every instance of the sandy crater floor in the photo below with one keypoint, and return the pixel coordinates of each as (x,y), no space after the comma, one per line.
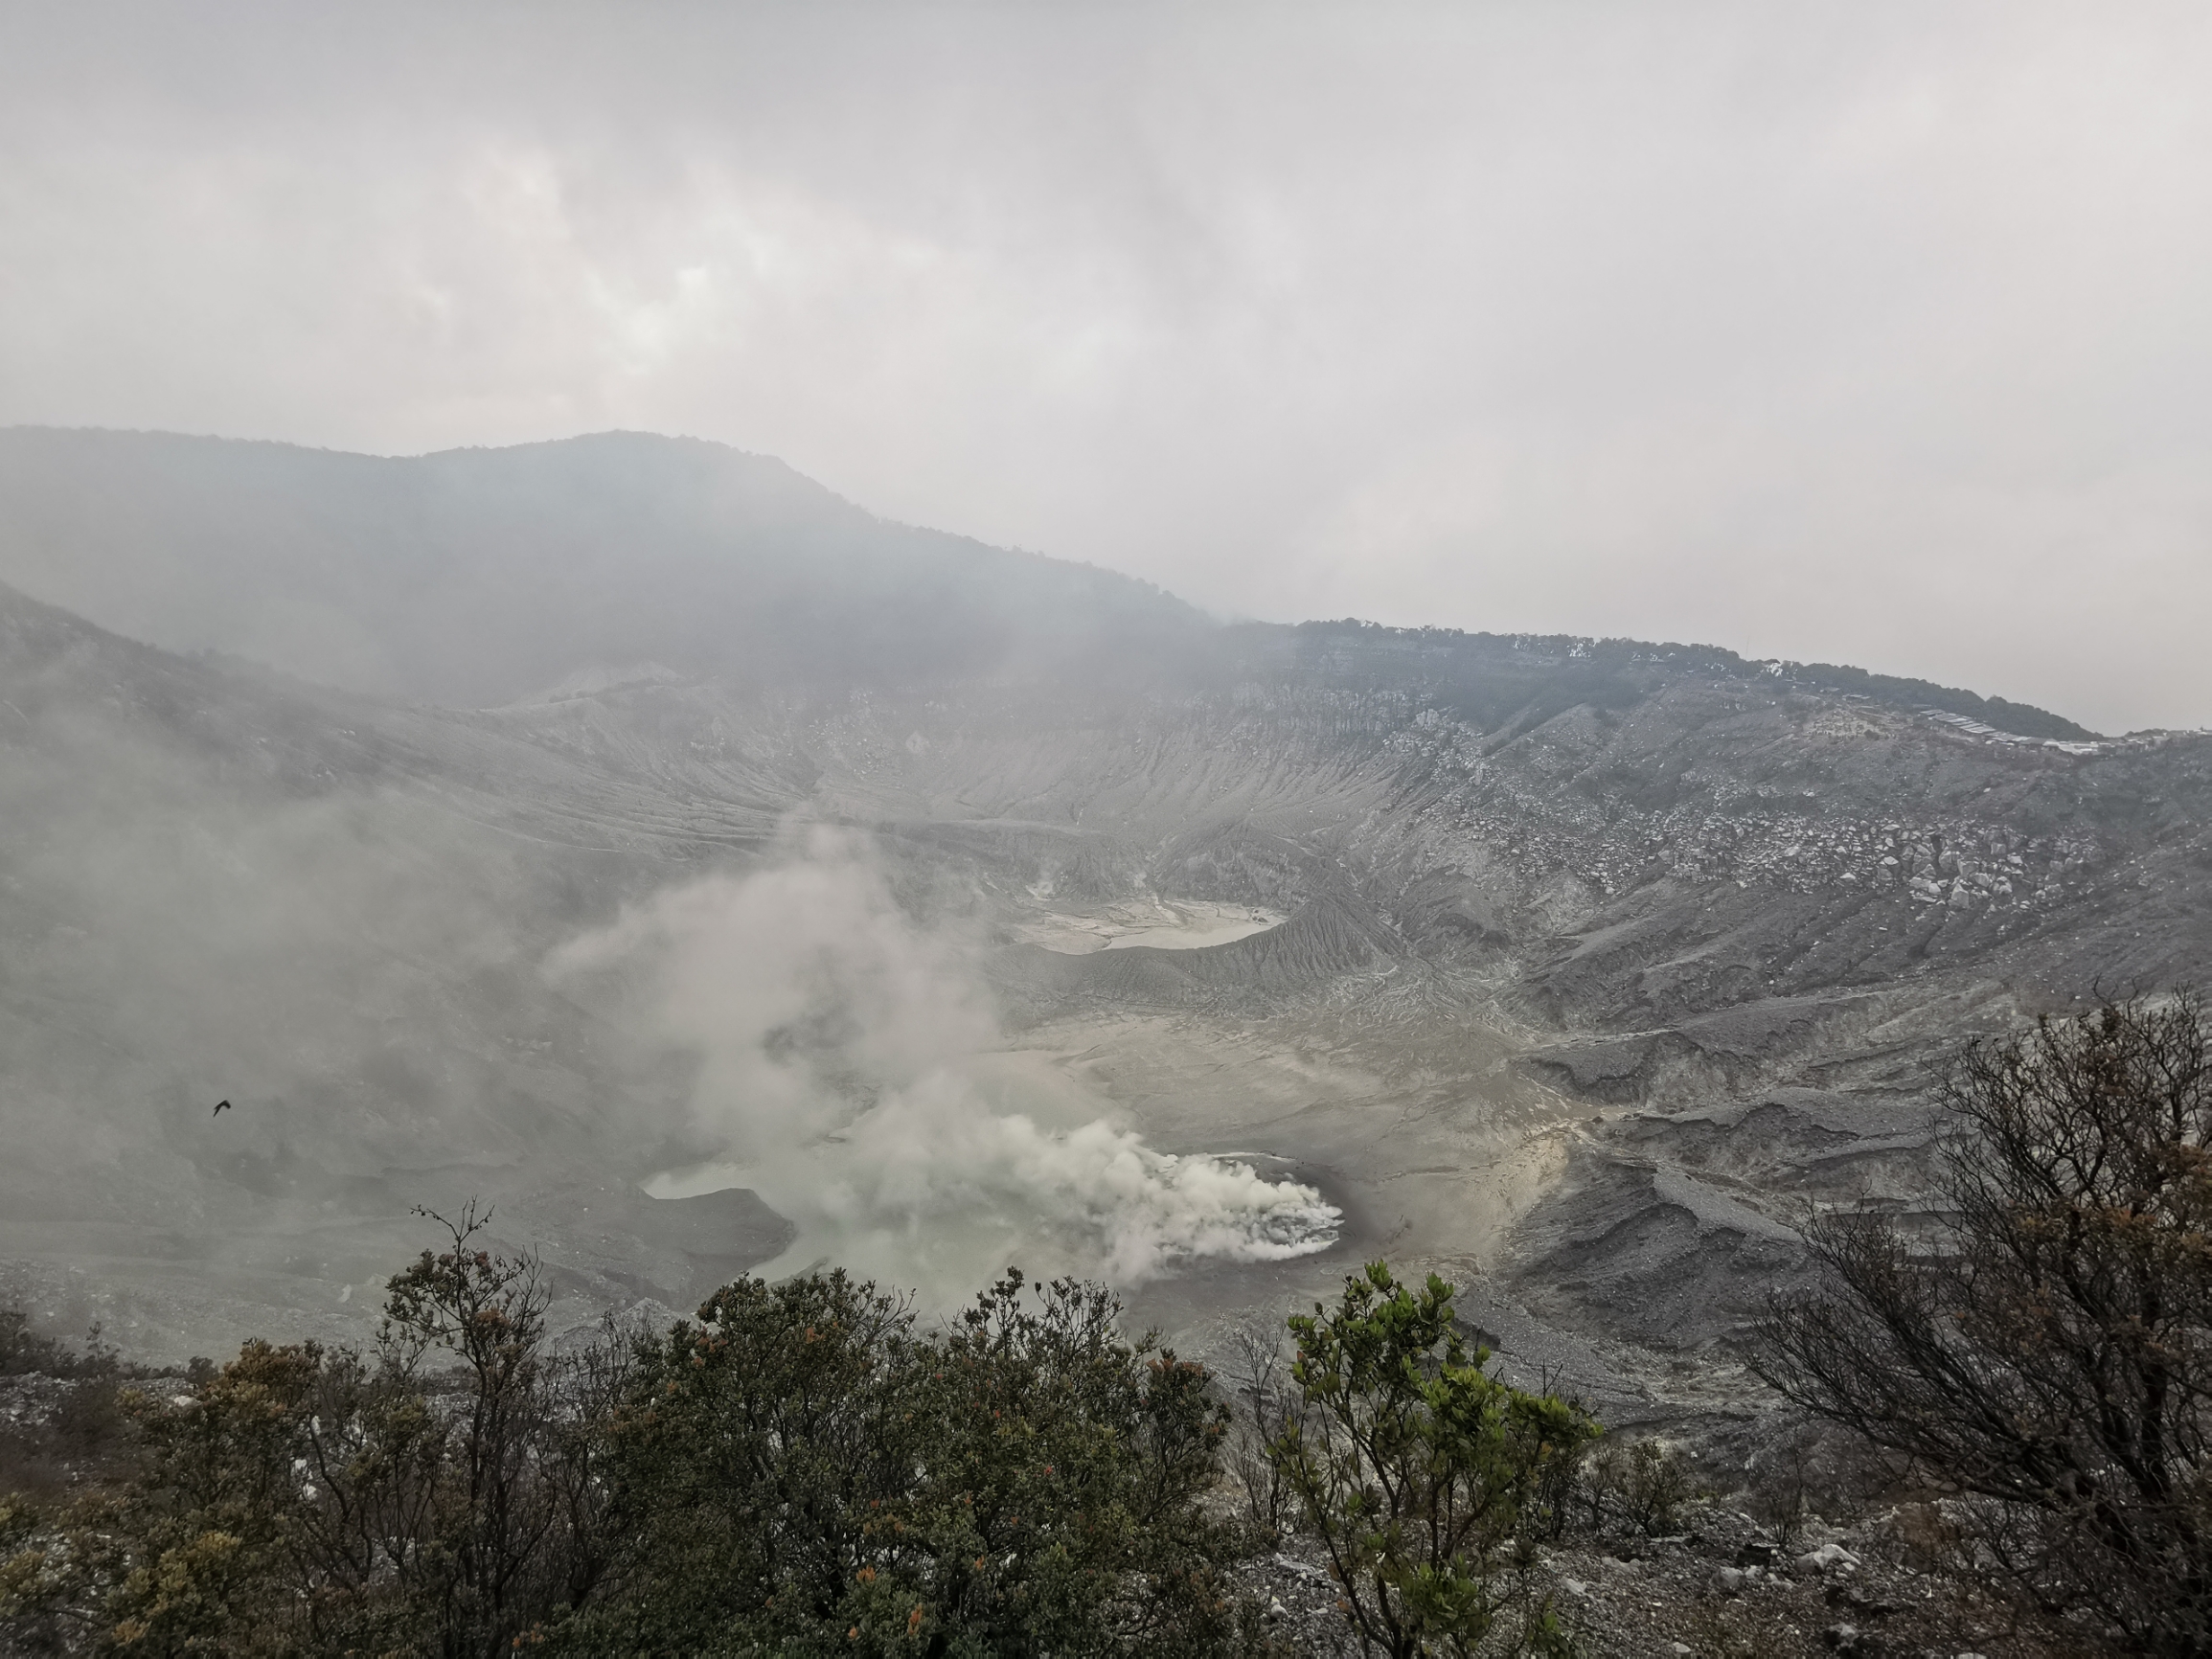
(1167,924)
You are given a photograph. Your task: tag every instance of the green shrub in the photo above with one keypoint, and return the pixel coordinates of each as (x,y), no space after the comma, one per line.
(1423,1476)
(804,1471)
(304,1500)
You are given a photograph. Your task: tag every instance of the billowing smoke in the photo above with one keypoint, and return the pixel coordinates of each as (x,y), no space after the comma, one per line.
(845,1057)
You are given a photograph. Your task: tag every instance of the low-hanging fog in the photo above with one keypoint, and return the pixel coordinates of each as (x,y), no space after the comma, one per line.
(842,1057)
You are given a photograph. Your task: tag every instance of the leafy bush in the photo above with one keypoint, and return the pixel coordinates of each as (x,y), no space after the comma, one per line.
(79,1437)
(802,1471)
(25,1351)
(1655,1486)
(311,1500)
(1424,1477)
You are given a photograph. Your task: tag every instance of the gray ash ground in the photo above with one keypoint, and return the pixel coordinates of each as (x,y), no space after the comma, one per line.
(1722,1588)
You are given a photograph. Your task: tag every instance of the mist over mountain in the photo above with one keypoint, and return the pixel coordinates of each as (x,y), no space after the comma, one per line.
(478,577)
(628,815)
(475,577)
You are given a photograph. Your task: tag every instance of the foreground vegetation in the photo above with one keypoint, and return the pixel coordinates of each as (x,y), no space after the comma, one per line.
(805,1468)
(2039,1363)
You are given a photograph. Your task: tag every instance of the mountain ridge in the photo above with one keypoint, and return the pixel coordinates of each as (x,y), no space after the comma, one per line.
(473,578)
(136,529)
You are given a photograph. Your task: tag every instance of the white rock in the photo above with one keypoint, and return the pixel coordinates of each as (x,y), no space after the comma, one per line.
(1827,1557)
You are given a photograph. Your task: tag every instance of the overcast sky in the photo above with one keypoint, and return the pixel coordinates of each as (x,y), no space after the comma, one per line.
(1861,333)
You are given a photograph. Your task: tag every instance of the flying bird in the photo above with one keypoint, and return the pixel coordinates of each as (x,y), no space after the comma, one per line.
(220,1107)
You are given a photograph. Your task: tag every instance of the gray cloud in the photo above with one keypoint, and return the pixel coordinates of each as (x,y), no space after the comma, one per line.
(1859,332)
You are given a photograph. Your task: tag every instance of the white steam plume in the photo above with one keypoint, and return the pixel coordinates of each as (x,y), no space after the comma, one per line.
(840,1053)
